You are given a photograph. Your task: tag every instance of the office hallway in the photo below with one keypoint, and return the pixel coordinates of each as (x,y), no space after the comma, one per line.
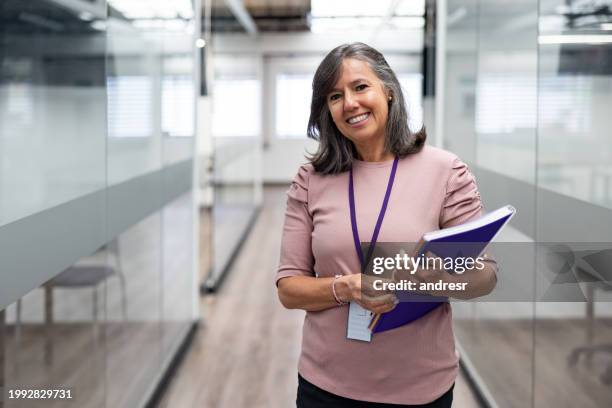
(245,354)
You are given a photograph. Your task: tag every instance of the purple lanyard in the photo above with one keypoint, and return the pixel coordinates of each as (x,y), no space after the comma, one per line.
(381,216)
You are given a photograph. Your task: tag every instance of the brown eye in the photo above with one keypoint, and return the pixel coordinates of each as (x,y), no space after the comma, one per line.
(334,97)
(361,87)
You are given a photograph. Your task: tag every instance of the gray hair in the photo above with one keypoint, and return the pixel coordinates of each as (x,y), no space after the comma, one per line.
(336,153)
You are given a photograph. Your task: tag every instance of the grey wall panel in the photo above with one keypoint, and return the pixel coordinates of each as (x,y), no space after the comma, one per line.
(135,199)
(560,218)
(36,248)
(177,179)
(566,219)
(132,200)
(498,190)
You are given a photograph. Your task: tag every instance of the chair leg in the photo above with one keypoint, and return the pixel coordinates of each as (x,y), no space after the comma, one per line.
(123,297)
(48,355)
(18,322)
(590,314)
(95,312)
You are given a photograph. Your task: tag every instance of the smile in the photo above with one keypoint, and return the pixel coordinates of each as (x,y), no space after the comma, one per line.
(359,118)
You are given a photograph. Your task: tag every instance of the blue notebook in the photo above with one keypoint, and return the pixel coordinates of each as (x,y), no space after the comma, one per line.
(475,235)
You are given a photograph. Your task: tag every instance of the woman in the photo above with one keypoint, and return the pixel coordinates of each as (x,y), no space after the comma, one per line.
(359,117)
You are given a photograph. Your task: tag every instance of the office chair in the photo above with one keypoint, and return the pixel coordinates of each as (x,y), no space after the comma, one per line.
(595,274)
(83,276)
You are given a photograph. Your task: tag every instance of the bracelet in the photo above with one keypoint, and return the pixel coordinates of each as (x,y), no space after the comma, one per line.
(336,298)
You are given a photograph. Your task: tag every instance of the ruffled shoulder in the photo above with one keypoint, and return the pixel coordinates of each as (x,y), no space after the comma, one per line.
(462,200)
(299,186)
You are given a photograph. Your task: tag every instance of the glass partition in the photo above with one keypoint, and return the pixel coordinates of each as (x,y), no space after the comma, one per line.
(236,131)
(97,123)
(52,106)
(133,343)
(573,339)
(461,56)
(52,338)
(527,89)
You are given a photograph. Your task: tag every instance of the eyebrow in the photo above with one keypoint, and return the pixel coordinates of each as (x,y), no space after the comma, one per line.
(355,82)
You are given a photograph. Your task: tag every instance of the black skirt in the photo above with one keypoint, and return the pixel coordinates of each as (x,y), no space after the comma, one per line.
(311,396)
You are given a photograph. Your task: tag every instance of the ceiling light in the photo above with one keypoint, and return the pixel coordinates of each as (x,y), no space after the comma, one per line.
(575,39)
(85,16)
(360,8)
(98,25)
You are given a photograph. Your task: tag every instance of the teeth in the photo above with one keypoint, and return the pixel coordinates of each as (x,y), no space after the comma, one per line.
(358,118)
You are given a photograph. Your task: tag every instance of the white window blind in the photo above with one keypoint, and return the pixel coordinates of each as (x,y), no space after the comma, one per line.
(130,101)
(178,106)
(506,103)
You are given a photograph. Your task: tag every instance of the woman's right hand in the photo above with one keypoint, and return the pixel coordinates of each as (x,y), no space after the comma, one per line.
(358,288)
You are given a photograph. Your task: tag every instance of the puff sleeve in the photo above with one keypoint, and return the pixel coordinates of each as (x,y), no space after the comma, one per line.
(462,203)
(296,258)
(462,199)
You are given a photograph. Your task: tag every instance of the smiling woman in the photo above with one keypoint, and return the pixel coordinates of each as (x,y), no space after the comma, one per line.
(367,152)
(358,105)
(354,80)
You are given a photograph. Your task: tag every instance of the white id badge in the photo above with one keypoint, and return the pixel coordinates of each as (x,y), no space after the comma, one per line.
(358,321)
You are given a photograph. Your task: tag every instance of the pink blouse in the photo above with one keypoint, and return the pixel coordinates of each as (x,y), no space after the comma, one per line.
(413,364)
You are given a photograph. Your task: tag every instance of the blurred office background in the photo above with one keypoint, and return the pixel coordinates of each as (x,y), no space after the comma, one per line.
(145,147)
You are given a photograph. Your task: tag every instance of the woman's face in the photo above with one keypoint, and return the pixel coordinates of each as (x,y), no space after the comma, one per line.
(359,104)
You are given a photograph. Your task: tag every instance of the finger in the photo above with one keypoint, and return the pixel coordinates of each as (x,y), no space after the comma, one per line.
(379,301)
(383,308)
(381,288)
(387,308)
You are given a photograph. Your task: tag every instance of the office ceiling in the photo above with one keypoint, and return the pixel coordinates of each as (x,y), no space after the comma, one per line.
(268,15)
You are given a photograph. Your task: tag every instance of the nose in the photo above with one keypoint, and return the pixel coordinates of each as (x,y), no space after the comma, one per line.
(350,102)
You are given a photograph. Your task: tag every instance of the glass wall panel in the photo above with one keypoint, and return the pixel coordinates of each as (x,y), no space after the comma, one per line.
(573,339)
(52,156)
(237,144)
(97,102)
(461,56)
(490,112)
(178,102)
(542,90)
(505,121)
(134,79)
(506,104)
(52,106)
(177,283)
(459,133)
(151,107)
(178,93)
(133,315)
(575,153)
(53,338)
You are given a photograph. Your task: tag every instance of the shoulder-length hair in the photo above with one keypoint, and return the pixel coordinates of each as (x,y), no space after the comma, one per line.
(336,153)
